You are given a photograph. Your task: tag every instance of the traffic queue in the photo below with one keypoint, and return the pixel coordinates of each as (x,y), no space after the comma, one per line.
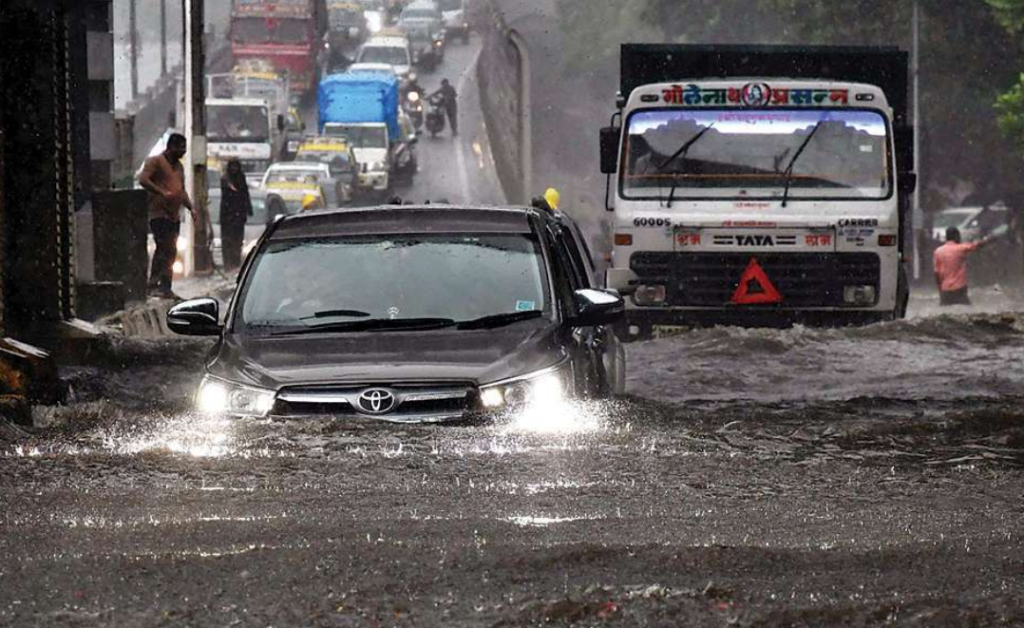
(338,131)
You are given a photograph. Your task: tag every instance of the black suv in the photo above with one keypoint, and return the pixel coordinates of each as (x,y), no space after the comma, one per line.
(410,314)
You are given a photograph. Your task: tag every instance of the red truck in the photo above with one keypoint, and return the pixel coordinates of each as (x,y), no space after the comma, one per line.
(287,33)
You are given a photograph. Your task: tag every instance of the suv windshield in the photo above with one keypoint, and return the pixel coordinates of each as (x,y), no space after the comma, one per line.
(746,154)
(450,5)
(233,123)
(391,277)
(391,55)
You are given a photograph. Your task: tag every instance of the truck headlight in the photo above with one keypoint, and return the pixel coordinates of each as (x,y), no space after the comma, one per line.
(293,146)
(544,387)
(220,397)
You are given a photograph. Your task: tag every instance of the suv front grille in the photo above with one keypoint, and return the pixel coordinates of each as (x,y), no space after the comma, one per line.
(412,403)
(803,279)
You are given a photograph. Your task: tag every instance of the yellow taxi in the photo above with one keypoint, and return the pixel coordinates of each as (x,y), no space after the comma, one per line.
(340,159)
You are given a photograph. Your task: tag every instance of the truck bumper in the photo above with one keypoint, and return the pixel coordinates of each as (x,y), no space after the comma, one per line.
(646,318)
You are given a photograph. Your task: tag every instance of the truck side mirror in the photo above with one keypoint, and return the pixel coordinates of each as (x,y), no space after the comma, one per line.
(610,149)
(280,122)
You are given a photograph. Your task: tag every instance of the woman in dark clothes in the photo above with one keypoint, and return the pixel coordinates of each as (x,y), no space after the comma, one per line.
(235,209)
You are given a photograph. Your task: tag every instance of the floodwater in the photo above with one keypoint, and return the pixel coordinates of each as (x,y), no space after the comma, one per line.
(756,477)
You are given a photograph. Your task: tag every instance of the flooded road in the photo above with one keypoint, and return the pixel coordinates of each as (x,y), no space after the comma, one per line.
(765,478)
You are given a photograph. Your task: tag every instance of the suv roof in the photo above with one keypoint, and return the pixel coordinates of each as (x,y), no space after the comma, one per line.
(405,219)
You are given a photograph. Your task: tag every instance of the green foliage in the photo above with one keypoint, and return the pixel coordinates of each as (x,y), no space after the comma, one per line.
(1010,107)
(1010,14)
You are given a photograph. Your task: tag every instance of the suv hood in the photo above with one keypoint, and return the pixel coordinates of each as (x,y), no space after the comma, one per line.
(480,356)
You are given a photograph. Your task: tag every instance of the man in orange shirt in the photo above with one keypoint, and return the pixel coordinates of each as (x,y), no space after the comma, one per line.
(950,264)
(163,177)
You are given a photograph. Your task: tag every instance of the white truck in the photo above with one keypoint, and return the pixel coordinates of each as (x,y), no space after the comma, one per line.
(759,185)
(241,128)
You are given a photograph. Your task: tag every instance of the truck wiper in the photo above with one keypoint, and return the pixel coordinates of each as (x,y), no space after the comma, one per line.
(683,150)
(500,320)
(374,324)
(792,162)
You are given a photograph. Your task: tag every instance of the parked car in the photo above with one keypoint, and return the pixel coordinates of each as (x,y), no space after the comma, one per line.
(974,223)
(410,314)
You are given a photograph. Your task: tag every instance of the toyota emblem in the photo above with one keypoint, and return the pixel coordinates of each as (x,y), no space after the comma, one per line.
(377,401)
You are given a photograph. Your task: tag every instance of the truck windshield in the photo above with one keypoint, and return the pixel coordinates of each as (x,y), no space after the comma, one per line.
(235,123)
(360,136)
(301,284)
(745,154)
(343,18)
(263,30)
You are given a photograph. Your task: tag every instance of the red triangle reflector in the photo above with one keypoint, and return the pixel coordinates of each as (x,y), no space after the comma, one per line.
(755,288)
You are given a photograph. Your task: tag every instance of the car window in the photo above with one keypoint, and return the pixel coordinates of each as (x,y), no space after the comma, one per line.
(990,219)
(578,256)
(566,279)
(450,276)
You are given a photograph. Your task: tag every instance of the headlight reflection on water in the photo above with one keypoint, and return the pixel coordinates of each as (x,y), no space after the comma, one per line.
(196,435)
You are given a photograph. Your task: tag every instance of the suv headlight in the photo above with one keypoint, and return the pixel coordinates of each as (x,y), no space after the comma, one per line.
(220,397)
(547,386)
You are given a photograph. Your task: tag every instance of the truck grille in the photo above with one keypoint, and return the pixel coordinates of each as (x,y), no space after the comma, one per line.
(803,279)
(400,403)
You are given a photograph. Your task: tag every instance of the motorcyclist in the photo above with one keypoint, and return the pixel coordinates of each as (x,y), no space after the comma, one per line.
(450,101)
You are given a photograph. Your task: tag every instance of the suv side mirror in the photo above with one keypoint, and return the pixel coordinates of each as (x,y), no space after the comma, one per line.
(907,182)
(610,149)
(197,317)
(597,307)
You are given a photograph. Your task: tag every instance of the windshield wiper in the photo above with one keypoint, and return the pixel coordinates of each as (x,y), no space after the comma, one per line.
(792,162)
(500,320)
(374,324)
(683,150)
(337,313)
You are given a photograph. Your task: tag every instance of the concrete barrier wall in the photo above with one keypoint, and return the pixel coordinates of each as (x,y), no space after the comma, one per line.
(498,74)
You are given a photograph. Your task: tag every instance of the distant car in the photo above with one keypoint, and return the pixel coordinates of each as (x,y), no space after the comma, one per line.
(423,23)
(456,22)
(411,314)
(340,159)
(974,223)
(392,50)
(288,184)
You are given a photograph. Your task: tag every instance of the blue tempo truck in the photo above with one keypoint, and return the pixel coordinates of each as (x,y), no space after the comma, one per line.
(363,106)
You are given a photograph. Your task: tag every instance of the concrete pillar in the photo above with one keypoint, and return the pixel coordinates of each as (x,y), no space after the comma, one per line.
(45,98)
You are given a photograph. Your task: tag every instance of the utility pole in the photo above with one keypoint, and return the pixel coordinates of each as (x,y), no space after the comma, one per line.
(133,44)
(918,214)
(163,38)
(198,253)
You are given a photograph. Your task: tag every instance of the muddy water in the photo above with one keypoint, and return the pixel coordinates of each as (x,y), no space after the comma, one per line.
(809,477)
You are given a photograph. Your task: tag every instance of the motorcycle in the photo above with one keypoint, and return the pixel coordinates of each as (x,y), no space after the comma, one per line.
(436,116)
(412,103)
